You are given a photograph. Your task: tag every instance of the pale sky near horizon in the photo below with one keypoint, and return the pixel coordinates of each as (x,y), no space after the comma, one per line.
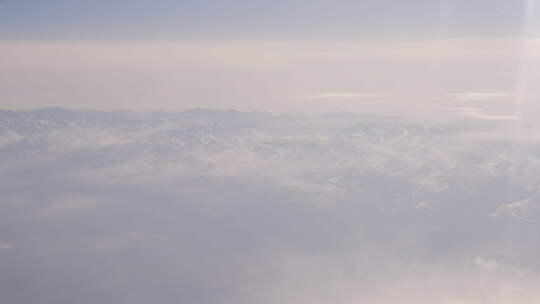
(448,58)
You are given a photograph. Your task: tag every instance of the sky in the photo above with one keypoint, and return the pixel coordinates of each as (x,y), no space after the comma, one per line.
(258,20)
(414,58)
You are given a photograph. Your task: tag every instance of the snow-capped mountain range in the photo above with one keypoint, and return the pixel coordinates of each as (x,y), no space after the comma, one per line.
(249,185)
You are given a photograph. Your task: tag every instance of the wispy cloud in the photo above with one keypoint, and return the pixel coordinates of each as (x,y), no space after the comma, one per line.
(138,236)
(480,113)
(4,245)
(486,263)
(341,96)
(480,96)
(519,210)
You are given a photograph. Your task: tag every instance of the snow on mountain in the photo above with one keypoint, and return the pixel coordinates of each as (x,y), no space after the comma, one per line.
(180,187)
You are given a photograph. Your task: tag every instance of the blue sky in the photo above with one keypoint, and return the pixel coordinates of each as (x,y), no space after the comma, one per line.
(257,19)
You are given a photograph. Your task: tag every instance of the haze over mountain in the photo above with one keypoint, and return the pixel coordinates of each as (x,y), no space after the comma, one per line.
(378,152)
(205,206)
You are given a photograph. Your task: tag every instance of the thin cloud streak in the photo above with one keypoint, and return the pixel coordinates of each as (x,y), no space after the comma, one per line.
(480,113)
(4,245)
(342,96)
(479,96)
